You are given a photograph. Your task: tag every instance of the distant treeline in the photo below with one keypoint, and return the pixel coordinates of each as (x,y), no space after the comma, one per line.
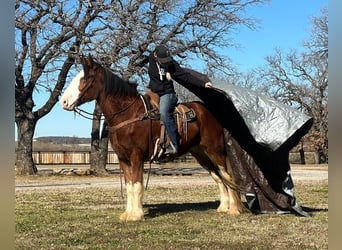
(63,140)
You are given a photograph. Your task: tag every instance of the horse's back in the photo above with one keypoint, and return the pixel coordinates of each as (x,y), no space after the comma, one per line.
(203,115)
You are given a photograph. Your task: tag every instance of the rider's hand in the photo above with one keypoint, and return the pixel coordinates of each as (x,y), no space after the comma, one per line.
(208,85)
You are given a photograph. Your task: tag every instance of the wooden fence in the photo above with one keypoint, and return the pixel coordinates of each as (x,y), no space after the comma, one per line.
(67,157)
(83,157)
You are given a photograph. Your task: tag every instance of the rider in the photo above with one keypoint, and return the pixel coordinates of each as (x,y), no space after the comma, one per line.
(162,70)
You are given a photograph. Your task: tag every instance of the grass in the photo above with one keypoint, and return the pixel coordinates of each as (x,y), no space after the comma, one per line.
(177,217)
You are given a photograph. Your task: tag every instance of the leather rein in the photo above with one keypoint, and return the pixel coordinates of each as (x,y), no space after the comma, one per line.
(121,124)
(129,121)
(86,114)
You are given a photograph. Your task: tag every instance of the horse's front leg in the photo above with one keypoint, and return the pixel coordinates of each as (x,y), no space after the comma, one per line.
(134,191)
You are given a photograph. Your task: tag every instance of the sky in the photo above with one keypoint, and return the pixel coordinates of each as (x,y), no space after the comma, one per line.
(284,24)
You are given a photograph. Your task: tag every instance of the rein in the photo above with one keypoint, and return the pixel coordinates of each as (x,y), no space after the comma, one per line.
(123,110)
(86,114)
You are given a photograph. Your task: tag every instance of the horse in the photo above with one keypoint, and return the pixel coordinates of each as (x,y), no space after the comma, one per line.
(132,134)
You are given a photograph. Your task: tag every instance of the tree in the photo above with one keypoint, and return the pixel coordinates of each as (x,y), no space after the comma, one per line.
(50,35)
(301,80)
(192,28)
(99,143)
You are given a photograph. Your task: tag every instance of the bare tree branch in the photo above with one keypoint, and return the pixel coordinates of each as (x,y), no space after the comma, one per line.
(301,80)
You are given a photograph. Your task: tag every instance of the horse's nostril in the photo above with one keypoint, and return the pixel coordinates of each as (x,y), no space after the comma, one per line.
(65,103)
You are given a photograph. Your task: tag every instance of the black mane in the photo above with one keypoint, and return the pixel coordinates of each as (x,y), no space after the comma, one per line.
(118,86)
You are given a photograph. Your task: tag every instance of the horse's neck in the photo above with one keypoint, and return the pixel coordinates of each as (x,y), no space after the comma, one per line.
(118,109)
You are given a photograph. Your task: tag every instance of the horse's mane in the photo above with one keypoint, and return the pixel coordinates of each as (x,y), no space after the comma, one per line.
(118,86)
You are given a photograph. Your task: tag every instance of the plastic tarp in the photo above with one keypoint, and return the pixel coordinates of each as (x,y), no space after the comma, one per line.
(270,122)
(262,132)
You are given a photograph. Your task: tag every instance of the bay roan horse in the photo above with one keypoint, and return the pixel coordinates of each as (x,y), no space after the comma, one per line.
(120,102)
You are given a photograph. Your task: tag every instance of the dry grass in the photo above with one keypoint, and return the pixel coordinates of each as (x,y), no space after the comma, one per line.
(177,217)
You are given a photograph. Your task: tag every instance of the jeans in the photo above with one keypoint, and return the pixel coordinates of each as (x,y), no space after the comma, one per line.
(167,105)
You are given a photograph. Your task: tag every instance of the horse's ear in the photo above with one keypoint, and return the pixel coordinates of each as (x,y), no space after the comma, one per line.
(82,60)
(90,61)
(87,61)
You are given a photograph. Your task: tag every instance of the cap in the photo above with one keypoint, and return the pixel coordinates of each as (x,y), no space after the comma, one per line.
(163,54)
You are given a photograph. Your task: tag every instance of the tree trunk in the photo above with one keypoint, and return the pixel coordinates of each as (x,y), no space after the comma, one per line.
(301,153)
(103,148)
(322,156)
(99,144)
(24,163)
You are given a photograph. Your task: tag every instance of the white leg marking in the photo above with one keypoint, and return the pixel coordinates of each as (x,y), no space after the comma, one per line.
(137,199)
(134,210)
(235,204)
(224,197)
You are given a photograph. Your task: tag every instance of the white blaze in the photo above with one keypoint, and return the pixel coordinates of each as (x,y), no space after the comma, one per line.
(71,94)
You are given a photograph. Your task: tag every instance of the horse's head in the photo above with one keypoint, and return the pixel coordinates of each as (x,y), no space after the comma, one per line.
(84,87)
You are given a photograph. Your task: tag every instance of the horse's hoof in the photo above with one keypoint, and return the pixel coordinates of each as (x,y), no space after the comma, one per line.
(234,212)
(238,211)
(130,217)
(222,209)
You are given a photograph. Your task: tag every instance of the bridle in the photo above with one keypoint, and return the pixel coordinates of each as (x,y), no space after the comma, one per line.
(89,81)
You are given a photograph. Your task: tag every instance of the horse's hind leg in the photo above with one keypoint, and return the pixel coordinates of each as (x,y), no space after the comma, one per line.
(224,195)
(236,206)
(212,168)
(230,200)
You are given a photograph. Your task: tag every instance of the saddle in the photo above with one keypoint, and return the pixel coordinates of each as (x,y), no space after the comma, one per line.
(183,115)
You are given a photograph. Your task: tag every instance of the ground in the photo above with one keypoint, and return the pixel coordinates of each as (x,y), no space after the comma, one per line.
(196,176)
(82,212)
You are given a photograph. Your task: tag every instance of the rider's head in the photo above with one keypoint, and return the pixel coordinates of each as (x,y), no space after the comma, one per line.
(162,55)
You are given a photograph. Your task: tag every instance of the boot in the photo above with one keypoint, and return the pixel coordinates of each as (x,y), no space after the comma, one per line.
(171,149)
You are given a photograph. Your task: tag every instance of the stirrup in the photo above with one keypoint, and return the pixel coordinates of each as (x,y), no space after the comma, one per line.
(158,151)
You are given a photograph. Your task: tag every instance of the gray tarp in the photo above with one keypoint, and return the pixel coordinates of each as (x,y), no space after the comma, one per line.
(270,122)
(262,132)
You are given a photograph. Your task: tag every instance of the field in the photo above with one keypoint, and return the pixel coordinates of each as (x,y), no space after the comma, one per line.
(68,212)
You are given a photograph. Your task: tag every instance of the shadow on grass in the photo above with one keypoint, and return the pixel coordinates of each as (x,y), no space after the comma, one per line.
(155,210)
(314,210)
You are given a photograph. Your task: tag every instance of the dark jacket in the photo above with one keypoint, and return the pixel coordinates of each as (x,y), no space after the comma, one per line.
(160,85)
